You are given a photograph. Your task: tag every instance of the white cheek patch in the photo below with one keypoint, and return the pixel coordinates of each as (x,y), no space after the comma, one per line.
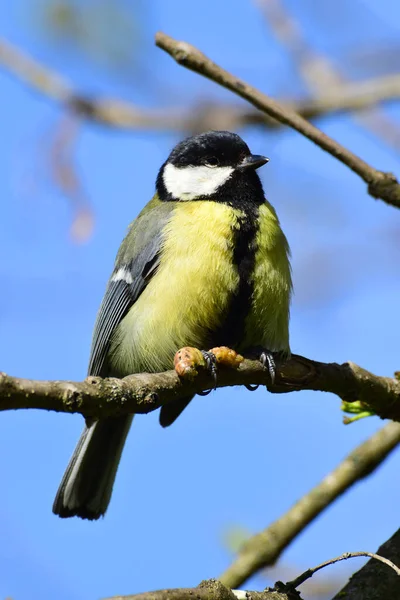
(188,183)
(123,274)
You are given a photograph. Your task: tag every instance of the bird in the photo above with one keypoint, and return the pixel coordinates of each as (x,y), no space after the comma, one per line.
(205,264)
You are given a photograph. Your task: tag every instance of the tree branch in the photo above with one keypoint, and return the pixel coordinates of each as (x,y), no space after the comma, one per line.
(145,392)
(327,563)
(375,581)
(319,73)
(348,97)
(380,184)
(209,115)
(209,590)
(264,549)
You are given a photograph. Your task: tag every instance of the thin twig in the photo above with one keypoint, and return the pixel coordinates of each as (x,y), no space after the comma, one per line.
(145,392)
(374,581)
(310,572)
(264,549)
(380,184)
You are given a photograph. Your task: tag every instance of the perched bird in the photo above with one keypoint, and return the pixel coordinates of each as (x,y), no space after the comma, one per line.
(204,264)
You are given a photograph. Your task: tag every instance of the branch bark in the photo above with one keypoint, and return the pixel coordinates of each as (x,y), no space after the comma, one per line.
(145,392)
(264,549)
(209,590)
(380,184)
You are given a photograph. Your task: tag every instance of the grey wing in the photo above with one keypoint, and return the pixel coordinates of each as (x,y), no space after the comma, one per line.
(116,302)
(137,261)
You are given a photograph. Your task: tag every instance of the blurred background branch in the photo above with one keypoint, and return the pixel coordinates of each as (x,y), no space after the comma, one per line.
(125,115)
(320,76)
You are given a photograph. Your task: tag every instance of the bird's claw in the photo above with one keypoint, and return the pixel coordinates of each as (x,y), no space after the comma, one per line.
(268,362)
(251,387)
(211,366)
(223,357)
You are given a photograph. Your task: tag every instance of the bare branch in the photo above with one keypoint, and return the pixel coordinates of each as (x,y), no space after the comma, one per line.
(209,590)
(375,581)
(380,184)
(310,572)
(320,75)
(210,115)
(264,549)
(350,96)
(32,72)
(65,174)
(145,392)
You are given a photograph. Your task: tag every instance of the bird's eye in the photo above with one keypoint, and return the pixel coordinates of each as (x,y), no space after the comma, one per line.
(211,162)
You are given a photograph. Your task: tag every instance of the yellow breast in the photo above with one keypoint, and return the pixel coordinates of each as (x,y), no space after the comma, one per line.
(188,295)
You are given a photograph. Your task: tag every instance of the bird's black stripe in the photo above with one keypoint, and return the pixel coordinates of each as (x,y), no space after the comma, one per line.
(232,329)
(246,195)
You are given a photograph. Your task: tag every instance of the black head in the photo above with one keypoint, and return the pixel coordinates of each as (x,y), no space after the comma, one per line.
(209,166)
(214,148)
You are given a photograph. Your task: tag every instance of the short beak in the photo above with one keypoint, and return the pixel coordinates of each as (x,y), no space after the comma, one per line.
(254,161)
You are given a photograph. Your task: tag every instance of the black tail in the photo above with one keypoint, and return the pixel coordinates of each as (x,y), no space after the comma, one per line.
(86,487)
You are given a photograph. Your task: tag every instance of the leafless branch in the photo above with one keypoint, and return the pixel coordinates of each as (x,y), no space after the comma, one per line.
(380,184)
(65,174)
(210,115)
(209,590)
(320,75)
(264,549)
(145,392)
(310,572)
(375,581)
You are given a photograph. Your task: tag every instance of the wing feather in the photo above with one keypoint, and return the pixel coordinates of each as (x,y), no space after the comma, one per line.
(137,262)
(117,301)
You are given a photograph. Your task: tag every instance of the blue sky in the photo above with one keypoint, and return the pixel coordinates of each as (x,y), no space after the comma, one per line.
(233,458)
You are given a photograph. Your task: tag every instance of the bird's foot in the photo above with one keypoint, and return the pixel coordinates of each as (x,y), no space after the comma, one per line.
(188,360)
(211,366)
(226,357)
(267,360)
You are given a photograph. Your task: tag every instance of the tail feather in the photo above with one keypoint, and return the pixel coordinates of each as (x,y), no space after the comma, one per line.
(87,484)
(170,412)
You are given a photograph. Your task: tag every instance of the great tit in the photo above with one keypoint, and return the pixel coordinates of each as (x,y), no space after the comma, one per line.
(204,264)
